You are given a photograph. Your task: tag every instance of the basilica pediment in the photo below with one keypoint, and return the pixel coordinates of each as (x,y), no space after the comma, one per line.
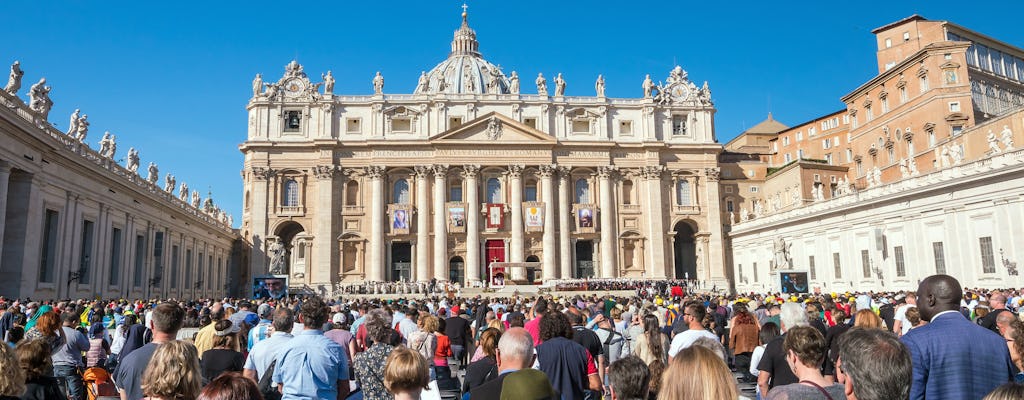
(493,127)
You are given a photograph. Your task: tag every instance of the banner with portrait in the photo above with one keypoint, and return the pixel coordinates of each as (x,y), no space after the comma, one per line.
(270,287)
(533,216)
(400,218)
(495,215)
(585,216)
(456,217)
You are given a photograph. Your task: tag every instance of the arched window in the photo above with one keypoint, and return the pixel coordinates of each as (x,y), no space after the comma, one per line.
(683,197)
(627,192)
(493,191)
(401,193)
(582,191)
(530,191)
(352,193)
(455,191)
(291,193)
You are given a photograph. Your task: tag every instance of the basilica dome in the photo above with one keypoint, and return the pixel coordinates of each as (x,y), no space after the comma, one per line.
(465,70)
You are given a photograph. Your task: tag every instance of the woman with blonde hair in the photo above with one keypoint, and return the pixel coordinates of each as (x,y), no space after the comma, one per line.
(173,372)
(696,372)
(424,341)
(406,374)
(224,356)
(867,319)
(486,368)
(12,378)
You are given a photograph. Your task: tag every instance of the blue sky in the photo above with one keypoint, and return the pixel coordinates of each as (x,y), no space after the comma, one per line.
(172,78)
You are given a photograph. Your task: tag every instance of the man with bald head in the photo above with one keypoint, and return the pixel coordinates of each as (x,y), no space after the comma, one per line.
(952,357)
(997,301)
(515,352)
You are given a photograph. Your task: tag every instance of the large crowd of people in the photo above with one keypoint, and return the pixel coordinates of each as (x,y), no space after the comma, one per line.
(940,342)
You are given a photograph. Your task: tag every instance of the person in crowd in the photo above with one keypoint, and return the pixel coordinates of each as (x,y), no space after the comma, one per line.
(46,325)
(442,371)
(34,361)
(67,359)
(769,331)
(458,332)
(244,312)
(814,318)
(952,357)
(262,330)
(657,368)
(230,386)
(311,365)
(118,340)
(568,365)
(629,379)
(1008,391)
(805,350)
(225,354)
(651,345)
(1014,334)
(743,338)
(485,368)
(265,351)
(135,337)
(997,303)
(696,372)
(693,315)
(528,384)
(406,374)
(867,319)
(173,373)
(873,365)
(914,317)
(540,307)
(424,341)
(99,348)
(590,341)
(12,378)
(166,320)
(514,352)
(901,325)
(832,342)
(15,335)
(340,333)
(369,365)
(204,339)
(774,365)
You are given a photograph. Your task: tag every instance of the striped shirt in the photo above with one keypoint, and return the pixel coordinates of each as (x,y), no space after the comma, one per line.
(259,332)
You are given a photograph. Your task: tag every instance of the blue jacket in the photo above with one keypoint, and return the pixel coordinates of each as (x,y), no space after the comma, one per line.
(954,358)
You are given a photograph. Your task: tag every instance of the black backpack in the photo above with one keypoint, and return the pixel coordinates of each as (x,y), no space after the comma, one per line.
(266,385)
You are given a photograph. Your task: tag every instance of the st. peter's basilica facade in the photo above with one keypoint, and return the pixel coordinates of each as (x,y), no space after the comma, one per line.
(468,179)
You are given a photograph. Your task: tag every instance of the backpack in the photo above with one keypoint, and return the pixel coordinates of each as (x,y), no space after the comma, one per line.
(266,385)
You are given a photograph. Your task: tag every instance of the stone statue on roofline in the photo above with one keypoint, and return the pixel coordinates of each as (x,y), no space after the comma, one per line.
(542,85)
(648,87)
(105,144)
(513,80)
(183,192)
(169,183)
(14,80)
(152,173)
(83,128)
(1007,136)
(73,126)
(112,149)
(133,160)
(257,85)
(328,82)
(378,83)
(559,85)
(599,86)
(195,199)
(39,98)
(993,143)
(424,83)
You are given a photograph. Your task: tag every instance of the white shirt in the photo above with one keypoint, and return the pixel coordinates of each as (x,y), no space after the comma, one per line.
(901,315)
(686,338)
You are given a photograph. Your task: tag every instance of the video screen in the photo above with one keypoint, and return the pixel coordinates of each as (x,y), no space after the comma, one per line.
(270,287)
(793,282)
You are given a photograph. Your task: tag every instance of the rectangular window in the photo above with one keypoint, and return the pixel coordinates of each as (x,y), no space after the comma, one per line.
(849,155)
(48,258)
(826,144)
(115,257)
(957,130)
(785,141)
(174,266)
(903,94)
(581,126)
(401,125)
(199,271)
(799,136)
(739,267)
(755,272)
(810,268)
(988,259)
(812,131)
(787,157)
(454,122)
(860,168)
(954,106)
(530,193)
(868,111)
(625,128)
(753,189)
(679,125)
(531,122)
(188,269)
(940,258)
(352,125)
(455,193)
(158,258)
(140,260)
(931,138)
(837,266)
(885,104)
(729,206)
(828,158)
(924,83)
(901,269)
(292,120)
(209,272)
(865,262)
(85,258)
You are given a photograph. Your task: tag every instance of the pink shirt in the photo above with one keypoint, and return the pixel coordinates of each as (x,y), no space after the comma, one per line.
(533,326)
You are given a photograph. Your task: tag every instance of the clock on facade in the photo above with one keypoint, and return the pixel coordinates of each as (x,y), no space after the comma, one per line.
(294,87)
(679,92)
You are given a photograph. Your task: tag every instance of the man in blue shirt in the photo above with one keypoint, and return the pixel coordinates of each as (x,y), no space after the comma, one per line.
(266,351)
(261,331)
(311,366)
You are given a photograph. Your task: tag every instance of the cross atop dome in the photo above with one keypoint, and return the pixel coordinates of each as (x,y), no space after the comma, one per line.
(464,71)
(464,42)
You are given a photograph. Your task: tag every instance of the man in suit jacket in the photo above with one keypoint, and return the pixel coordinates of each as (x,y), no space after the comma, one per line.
(952,357)
(515,352)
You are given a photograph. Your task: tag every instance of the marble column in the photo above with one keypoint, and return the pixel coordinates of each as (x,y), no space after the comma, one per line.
(440,230)
(323,228)
(422,257)
(376,175)
(653,210)
(260,196)
(715,251)
(516,251)
(550,268)
(608,222)
(565,226)
(472,188)
(5,177)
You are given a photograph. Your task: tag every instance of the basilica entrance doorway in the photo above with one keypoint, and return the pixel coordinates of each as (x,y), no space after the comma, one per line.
(286,233)
(531,273)
(456,269)
(495,253)
(584,259)
(685,252)
(401,261)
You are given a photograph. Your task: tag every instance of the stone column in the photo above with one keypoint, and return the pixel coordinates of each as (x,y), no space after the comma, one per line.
(550,268)
(608,222)
(564,224)
(260,196)
(422,269)
(653,210)
(323,228)
(376,174)
(5,176)
(714,253)
(440,230)
(472,188)
(515,174)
